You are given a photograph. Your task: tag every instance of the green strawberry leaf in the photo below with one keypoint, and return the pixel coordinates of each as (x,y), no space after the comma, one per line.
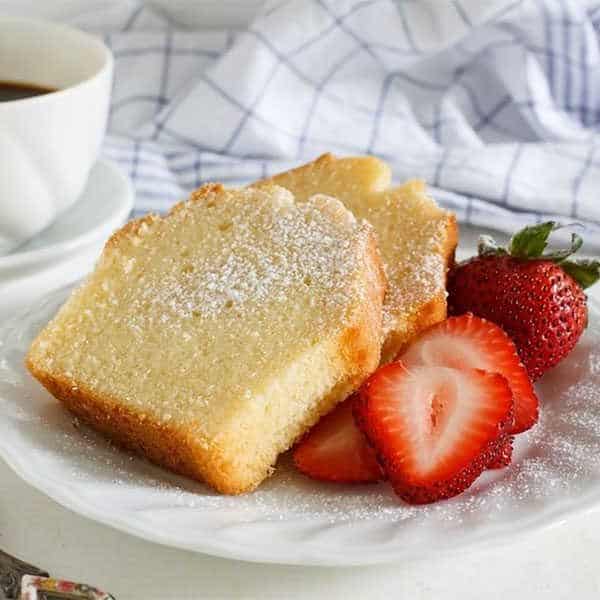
(531,241)
(584,271)
(559,255)
(487,246)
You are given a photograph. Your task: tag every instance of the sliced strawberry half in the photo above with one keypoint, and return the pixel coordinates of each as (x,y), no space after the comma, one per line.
(474,343)
(435,429)
(504,456)
(336,450)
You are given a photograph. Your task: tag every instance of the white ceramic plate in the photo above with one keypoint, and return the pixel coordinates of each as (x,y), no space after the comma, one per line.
(103,206)
(291,519)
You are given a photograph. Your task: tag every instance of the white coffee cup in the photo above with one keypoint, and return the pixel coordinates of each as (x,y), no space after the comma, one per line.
(48,143)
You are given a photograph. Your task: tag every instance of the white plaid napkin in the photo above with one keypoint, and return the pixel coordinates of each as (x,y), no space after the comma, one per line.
(495,104)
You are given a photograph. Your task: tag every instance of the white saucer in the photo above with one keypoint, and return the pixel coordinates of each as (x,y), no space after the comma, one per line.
(103,206)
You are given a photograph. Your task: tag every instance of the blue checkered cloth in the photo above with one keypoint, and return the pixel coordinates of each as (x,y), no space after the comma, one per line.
(495,104)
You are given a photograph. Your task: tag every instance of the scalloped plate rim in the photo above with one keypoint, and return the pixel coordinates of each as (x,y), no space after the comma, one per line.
(549,519)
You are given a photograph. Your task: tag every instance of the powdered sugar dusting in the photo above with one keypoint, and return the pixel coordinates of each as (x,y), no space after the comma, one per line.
(190,318)
(249,265)
(556,468)
(414,235)
(420,281)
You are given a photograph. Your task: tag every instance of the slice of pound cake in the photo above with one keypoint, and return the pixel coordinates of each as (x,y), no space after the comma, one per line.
(416,237)
(210,339)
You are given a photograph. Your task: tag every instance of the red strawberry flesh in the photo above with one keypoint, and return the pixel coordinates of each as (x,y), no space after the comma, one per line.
(336,450)
(504,456)
(435,429)
(542,308)
(474,343)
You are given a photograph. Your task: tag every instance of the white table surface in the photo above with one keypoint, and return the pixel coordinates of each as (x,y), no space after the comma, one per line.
(561,562)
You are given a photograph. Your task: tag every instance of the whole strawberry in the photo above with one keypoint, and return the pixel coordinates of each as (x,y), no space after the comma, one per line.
(536,297)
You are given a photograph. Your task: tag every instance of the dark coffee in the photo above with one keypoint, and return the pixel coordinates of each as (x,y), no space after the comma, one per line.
(11,90)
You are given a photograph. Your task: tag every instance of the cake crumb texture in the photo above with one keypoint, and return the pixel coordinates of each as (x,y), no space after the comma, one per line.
(210,339)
